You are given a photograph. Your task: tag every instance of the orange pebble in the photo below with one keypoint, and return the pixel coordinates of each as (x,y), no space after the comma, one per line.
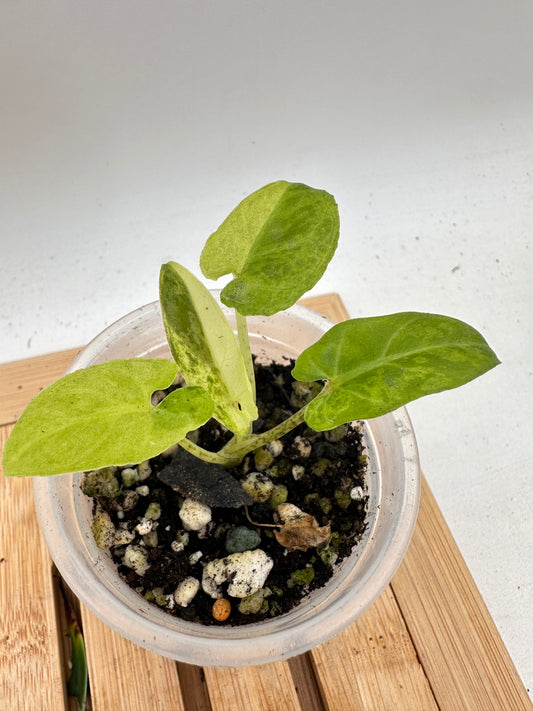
(221,609)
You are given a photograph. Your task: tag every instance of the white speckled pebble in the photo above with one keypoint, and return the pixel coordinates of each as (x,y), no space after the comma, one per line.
(186,590)
(247,572)
(194,515)
(357,493)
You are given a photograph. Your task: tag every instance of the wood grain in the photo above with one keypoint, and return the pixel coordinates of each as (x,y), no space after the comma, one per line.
(31,668)
(267,687)
(457,642)
(126,677)
(372,665)
(22,379)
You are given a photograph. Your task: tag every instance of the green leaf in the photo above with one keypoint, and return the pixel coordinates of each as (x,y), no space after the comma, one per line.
(205,347)
(375,365)
(277,243)
(102,416)
(77,683)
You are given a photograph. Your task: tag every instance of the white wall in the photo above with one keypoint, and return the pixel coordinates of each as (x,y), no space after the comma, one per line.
(128,130)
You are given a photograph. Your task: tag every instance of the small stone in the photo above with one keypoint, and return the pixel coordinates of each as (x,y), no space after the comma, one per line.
(135,558)
(144,470)
(142,490)
(325,504)
(302,577)
(182,537)
(298,471)
(123,537)
(195,557)
(253,604)
(159,597)
(194,515)
(275,447)
(245,572)
(129,476)
(357,493)
(258,486)
(328,556)
(320,467)
(241,538)
(221,609)
(129,500)
(153,512)
(342,498)
(150,539)
(186,591)
(278,496)
(262,459)
(144,526)
(301,447)
(101,482)
(103,530)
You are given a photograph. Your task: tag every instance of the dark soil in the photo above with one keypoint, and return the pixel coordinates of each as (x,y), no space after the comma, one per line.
(330,470)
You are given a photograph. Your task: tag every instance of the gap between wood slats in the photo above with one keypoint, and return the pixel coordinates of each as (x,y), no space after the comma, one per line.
(196,696)
(65,647)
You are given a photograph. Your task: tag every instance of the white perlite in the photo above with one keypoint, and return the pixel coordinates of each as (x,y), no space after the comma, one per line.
(247,572)
(136,558)
(357,493)
(186,590)
(194,515)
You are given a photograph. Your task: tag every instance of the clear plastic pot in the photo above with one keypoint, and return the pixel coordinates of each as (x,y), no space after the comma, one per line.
(393,481)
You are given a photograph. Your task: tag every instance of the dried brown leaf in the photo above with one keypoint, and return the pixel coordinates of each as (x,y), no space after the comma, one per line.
(300,531)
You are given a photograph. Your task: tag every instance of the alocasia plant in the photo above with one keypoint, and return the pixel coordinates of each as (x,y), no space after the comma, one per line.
(276,243)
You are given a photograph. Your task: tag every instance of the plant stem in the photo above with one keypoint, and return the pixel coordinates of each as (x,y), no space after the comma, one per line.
(235,450)
(244,346)
(203,454)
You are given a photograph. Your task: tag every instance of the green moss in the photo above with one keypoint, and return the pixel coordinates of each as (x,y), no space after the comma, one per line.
(301,577)
(103,530)
(101,482)
(278,496)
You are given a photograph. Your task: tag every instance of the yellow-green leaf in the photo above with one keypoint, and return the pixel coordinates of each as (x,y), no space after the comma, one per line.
(205,347)
(375,365)
(102,416)
(277,243)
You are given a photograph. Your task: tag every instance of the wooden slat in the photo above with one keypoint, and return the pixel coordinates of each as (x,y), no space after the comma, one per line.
(267,687)
(22,379)
(124,676)
(329,305)
(373,665)
(31,669)
(446,647)
(457,641)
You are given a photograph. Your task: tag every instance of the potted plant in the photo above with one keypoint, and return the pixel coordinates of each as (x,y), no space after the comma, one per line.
(125,419)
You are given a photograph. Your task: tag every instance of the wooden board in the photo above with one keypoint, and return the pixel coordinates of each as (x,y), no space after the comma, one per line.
(427,643)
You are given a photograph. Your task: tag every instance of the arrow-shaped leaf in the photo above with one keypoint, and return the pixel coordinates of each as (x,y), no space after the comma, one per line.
(277,243)
(375,365)
(102,416)
(205,347)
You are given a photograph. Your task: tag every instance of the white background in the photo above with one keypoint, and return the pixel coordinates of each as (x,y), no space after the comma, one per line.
(128,130)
